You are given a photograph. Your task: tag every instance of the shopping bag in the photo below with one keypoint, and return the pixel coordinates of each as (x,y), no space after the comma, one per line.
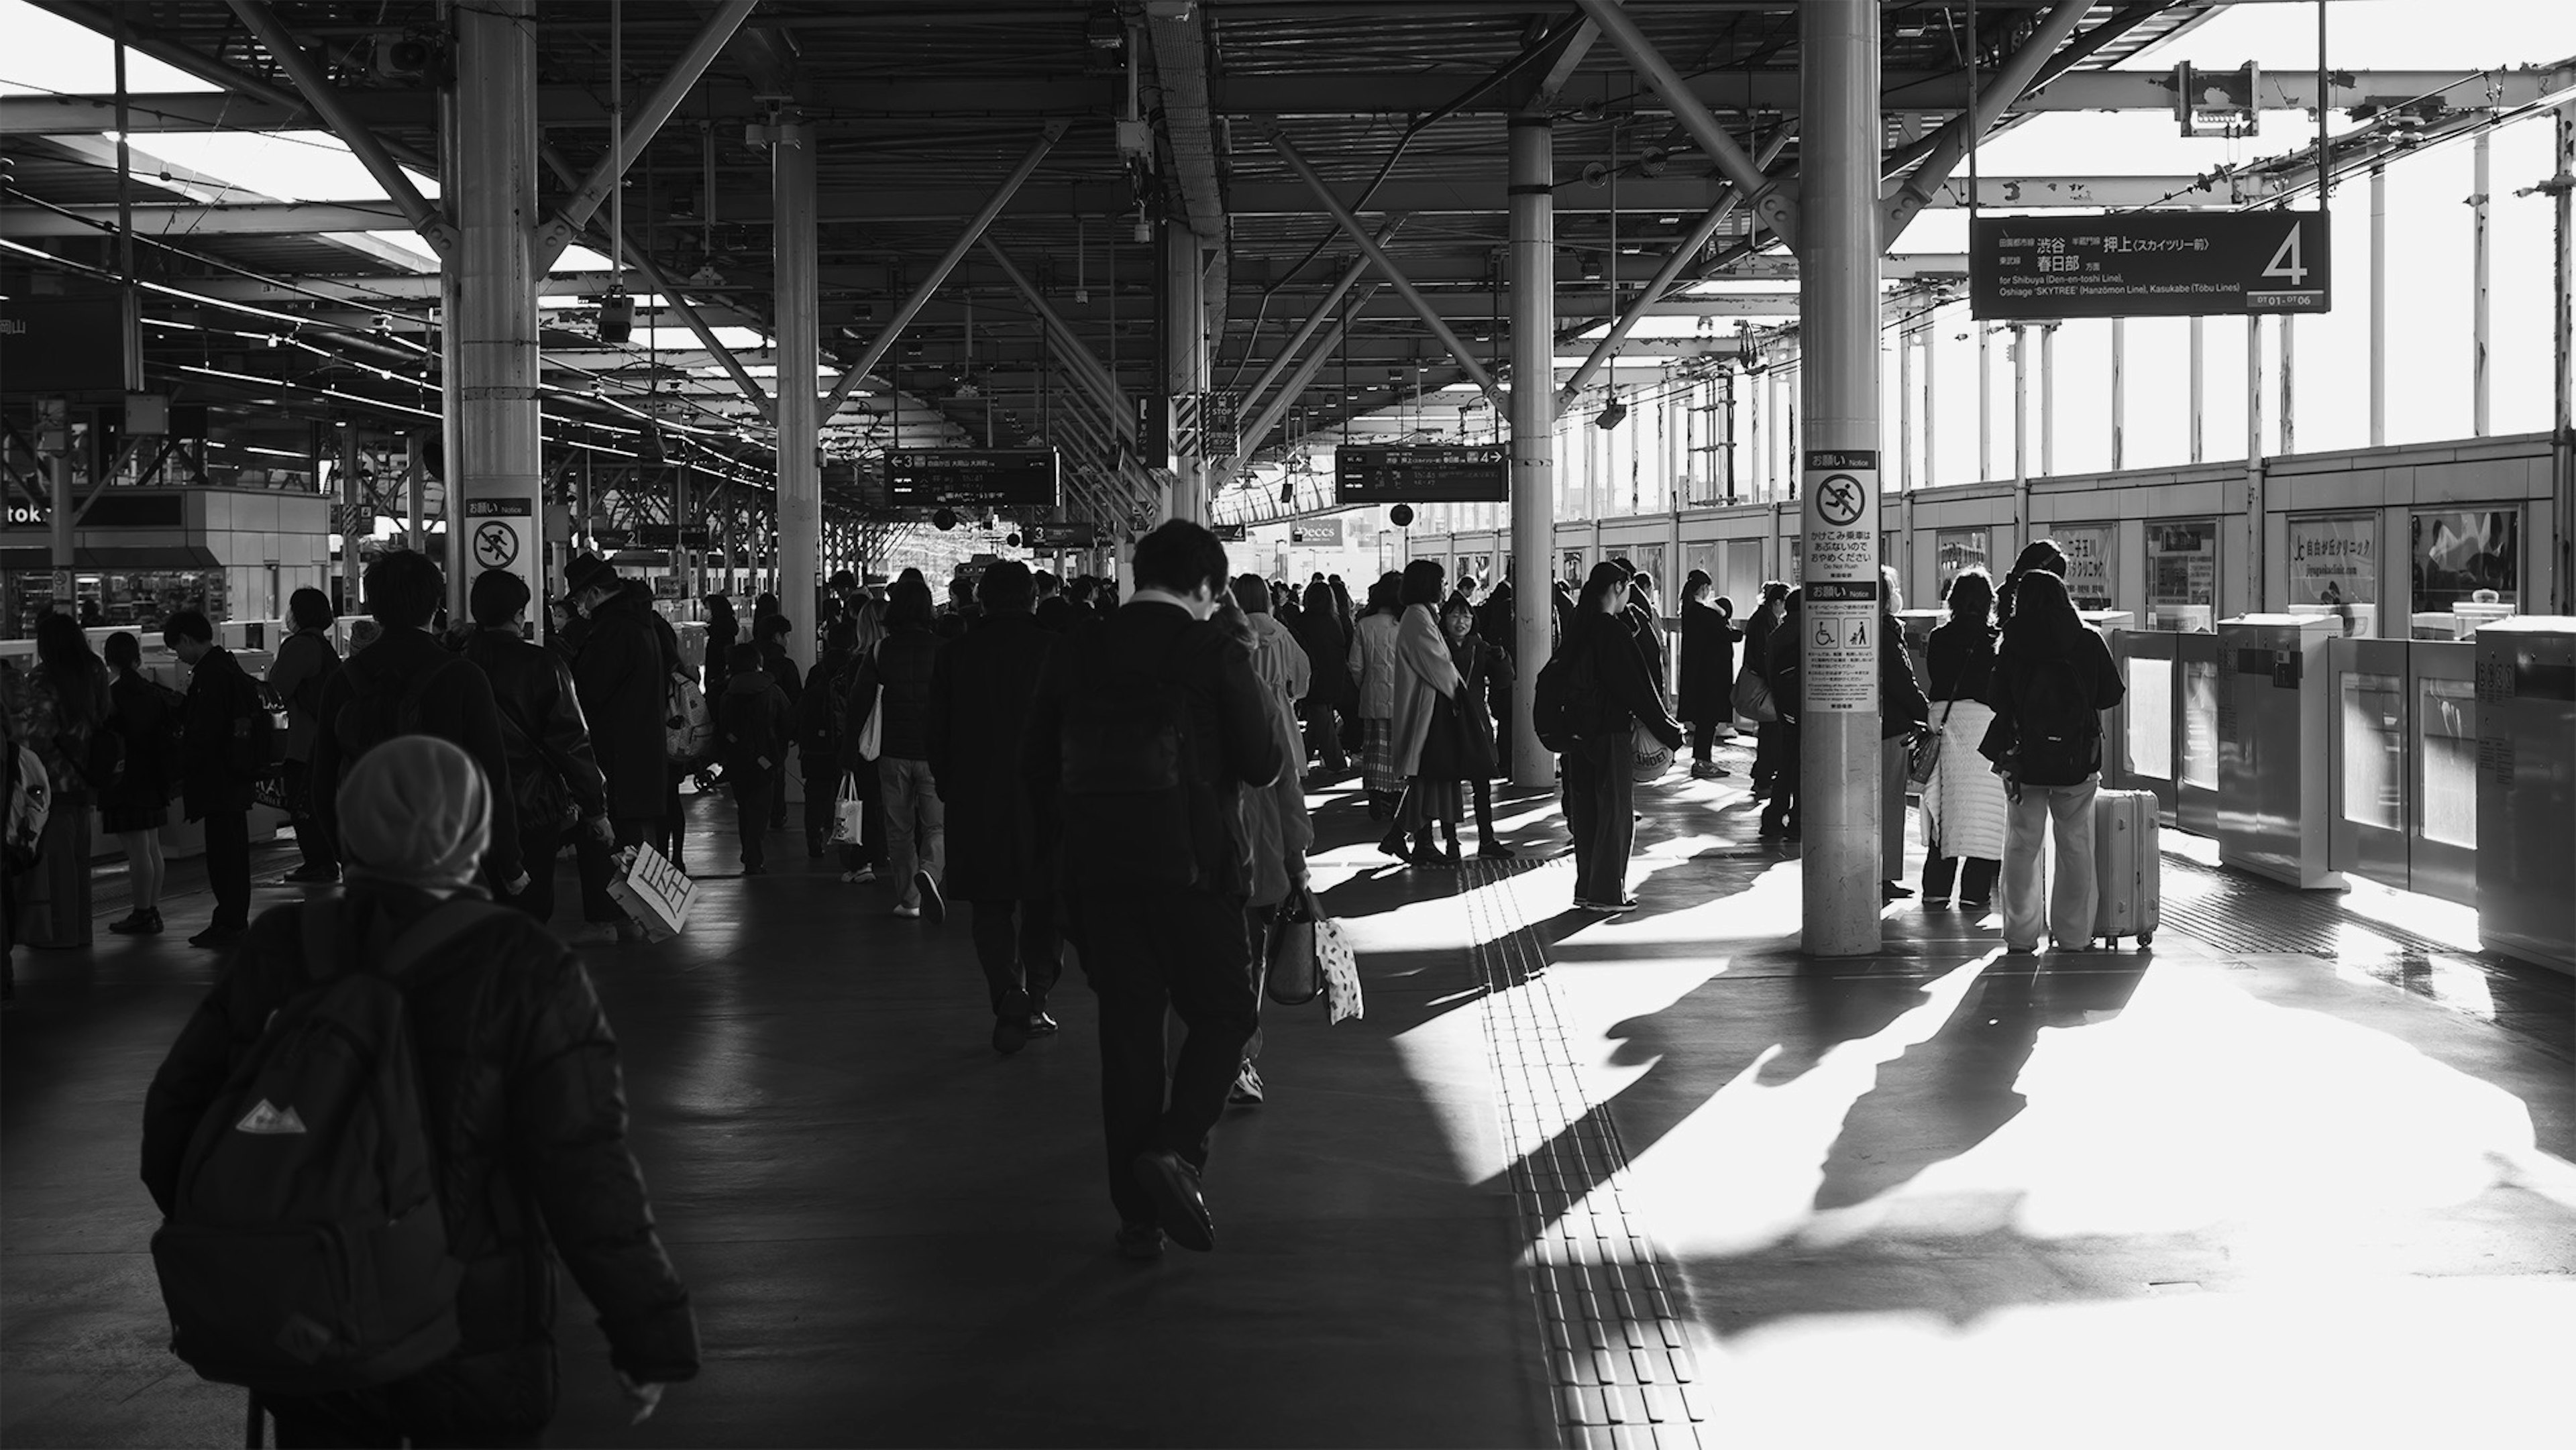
(1296,973)
(1341,971)
(849,813)
(653,893)
(1648,757)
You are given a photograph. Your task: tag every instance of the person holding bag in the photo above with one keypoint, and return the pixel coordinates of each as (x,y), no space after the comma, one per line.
(2053,678)
(861,737)
(1424,680)
(1963,800)
(65,714)
(1598,770)
(1276,828)
(1484,684)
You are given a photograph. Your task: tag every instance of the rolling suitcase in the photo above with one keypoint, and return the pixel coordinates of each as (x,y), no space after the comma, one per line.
(2128,862)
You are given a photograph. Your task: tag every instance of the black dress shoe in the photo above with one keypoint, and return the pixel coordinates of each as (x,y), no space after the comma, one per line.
(1139,1241)
(1042,1025)
(934,906)
(1178,1204)
(217,938)
(1010,1032)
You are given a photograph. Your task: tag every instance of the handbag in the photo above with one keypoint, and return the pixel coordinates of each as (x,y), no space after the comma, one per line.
(871,740)
(1752,697)
(1295,974)
(849,812)
(1924,761)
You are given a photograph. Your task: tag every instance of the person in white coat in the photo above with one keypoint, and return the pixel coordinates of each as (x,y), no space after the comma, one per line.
(1963,804)
(1419,731)
(1372,664)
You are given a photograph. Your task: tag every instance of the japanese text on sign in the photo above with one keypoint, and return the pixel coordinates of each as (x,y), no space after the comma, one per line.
(2150,264)
(1840,590)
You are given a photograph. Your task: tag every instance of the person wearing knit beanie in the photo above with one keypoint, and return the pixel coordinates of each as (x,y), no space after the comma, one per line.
(415,811)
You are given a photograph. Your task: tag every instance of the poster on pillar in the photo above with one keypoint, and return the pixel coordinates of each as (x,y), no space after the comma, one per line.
(501,533)
(1840,628)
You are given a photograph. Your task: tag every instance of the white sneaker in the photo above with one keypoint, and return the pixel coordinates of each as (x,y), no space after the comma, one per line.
(907,912)
(1247,1087)
(864,876)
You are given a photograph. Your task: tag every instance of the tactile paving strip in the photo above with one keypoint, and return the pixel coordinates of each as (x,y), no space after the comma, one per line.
(1620,1363)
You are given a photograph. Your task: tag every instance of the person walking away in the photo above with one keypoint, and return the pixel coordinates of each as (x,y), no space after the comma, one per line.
(1963,804)
(1707,689)
(305,663)
(1903,714)
(981,688)
(1644,617)
(66,713)
(1372,671)
(863,859)
(1155,878)
(2053,678)
(1276,828)
(521,1100)
(753,724)
(623,682)
(407,683)
(1054,612)
(2039,555)
(1757,659)
(223,723)
(771,635)
(1484,686)
(1497,624)
(554,781)
(1330,692)
(818,736)
(916,819)
(1614,695)
(1784,670)
(1424,680)
(135,808)
(723,629)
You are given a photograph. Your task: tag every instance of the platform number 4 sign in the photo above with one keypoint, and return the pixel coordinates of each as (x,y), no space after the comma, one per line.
(2286,263)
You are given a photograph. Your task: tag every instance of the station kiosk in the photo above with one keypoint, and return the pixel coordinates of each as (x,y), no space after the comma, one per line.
(2527,789)
(2275,723)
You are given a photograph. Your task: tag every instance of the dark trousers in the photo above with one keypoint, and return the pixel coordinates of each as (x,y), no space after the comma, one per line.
(1600,792)
(822,791)
(1976,879)
(755,802)
(598,866)
(1766,751)
(1148,951)
(228,868)
(1022,956)
(1323,737)
(778,800)
(1781,813)
(1703,737)
(321,1422)
(537,848)
(309,840)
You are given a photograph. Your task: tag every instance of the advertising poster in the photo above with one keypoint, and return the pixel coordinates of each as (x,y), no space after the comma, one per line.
(1957,549)
(2182,576)
(2455,553)
(2092,574)
(2334,569)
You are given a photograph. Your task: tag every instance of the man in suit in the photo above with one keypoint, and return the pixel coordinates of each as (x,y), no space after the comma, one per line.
(1142,735)
(214,784)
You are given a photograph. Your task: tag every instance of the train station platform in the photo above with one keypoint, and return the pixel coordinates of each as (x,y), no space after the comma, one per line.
(2299,1174)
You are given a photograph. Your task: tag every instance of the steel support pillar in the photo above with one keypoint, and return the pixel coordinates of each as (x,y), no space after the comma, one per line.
(357,521)
(2254,602)
(798,309)
(495,455)
(2289,411)
(2379,306)
(1185,366)
(2481,252)
(1931,402)
(60,513)
(1985,402)
(1532,259)
(2563,372)
(2021,434)
(2119,392)
(2048,400)
(1838,303)
(2199,386)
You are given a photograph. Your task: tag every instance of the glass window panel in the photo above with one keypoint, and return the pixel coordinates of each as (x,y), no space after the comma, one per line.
(2182,576)
(2446,730)
(2200,724)
(2151,718)
(2466,566)
(1957,549)
(2334,569)
(2374,751)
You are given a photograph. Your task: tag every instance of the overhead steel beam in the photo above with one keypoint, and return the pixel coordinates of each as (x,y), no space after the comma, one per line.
(1266,421)
(1773,201)
(974,232)
(1322,310)
(432,225)
(1676,262)
(1087,369)
(1561,67)
(575,213)
(1385,264)
(1902,203)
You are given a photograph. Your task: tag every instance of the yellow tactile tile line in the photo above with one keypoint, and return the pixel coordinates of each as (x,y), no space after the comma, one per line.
(1620,1365)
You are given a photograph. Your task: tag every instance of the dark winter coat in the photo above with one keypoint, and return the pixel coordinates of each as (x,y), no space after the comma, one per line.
(304,665)
(754,723)
(1484,695)
(904,664)
(1708,665)
(1618,691)
(142,709)
(980,694)
(1495,623)
(624,682)
(1757,640)
(527,1114)
(1959,661)
(544,735)
(219,693)
(1328,653)
(456,706)
(1902,710)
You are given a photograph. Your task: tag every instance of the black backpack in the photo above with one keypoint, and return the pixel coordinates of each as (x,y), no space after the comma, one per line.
(306,1252)
(1130,767)
(2059,733)
(1552,713)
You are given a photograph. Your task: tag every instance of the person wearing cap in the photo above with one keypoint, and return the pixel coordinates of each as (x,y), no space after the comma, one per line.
(524,1104)
(623,680)
(554,778)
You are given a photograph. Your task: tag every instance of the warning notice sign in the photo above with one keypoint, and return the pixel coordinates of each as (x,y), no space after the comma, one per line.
(1841,622)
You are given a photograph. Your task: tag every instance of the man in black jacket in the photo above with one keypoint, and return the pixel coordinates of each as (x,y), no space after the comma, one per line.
(407,683)
(1599,772)
(523,1104)
(213,788)
(1147,943)
(554,778)
(623,677)
(980,692)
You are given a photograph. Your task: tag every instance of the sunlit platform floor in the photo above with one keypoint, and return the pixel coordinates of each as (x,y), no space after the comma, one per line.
(1650,1181)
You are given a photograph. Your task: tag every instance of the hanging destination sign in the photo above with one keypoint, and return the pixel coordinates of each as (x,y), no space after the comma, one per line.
(2149,264)
(972,478)
(1421,473)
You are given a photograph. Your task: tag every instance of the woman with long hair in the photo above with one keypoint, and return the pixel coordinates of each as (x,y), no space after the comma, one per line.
(1425,758)
(64,707)
(1614,696)
(136,807)
(1963,803)
(2053,678)
(1372,670)
(2041,555)
(1706,693)
(863,859)
(916,821)
(1484,691)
